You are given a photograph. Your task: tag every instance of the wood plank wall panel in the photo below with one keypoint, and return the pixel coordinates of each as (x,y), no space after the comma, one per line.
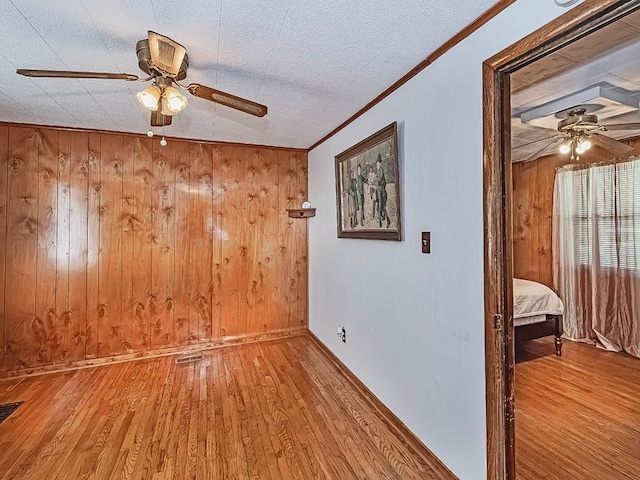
(112,244)
(143,232)
(45,327)
(21,243)
(533,209)
(217,192)
(230,211)
(270,246)
(94,213)
(294,278)
(4,164)
(192,224)
(285,237)
(240,262)
(300,287)
(253,238)
(62,192)
(162,320)
(182,243)
(113,336)
(78,245)
(525,220)
(129,226)
(202,226)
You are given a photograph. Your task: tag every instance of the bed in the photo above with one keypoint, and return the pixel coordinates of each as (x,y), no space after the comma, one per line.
(537,312)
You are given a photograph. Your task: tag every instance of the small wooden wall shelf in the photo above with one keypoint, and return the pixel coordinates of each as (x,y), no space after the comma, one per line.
(301,212)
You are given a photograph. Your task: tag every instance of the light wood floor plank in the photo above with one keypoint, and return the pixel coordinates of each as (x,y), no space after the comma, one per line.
(577,416)
(269,411)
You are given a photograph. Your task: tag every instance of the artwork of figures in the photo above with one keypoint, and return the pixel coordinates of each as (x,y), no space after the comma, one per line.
(367,188)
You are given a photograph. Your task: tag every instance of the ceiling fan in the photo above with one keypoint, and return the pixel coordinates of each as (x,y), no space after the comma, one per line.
(579,129)
(166,63)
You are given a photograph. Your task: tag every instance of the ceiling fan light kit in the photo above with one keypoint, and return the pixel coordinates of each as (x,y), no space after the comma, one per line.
(165,62)
(149,97)
(577,134)
(579,146)
(168,99)
(173,102)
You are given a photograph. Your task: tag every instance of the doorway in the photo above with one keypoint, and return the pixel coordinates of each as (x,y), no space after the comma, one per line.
(577,23)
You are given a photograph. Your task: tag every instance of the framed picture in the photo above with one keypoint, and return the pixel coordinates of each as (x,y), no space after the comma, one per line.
(368,188)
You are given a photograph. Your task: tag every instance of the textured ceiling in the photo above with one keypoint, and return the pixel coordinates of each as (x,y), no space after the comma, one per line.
(608,56)
(313,63)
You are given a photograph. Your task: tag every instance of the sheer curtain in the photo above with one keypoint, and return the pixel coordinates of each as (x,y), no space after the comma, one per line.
(596,253)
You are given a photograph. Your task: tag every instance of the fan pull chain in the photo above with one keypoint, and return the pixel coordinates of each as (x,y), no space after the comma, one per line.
(163,142)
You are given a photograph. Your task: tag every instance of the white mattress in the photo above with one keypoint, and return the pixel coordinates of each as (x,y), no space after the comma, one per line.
(532,301)
(528,320)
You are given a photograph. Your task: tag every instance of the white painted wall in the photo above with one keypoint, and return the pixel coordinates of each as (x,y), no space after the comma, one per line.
(414,322)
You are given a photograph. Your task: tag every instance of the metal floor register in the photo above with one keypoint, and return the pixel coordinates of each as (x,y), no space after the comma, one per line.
(7,409)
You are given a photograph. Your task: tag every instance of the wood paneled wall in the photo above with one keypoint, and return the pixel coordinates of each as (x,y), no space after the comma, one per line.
(533,210)
(111,244)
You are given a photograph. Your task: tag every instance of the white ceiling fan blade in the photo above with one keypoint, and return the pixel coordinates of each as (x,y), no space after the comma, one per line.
(609,144)
(546,150)
(621,126)
(543,139)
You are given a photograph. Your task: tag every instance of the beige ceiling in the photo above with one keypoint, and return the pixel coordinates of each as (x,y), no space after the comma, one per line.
(610,56)
(313,63)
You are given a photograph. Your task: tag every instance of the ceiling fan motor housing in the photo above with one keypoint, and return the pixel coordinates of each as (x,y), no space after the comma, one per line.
(578,120)
(146,63)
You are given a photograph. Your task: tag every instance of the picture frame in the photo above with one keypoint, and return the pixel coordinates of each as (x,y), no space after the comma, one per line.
(368,188)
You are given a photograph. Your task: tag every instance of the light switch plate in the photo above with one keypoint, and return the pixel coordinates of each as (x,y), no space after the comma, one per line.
(426,242)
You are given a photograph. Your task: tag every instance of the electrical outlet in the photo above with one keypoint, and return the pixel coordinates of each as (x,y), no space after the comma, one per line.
(342,334)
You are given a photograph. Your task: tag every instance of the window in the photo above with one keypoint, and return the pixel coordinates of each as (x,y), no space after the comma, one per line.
(603,206)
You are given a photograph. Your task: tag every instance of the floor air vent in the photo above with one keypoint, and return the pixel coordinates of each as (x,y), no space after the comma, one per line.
(7,409)
(196,357)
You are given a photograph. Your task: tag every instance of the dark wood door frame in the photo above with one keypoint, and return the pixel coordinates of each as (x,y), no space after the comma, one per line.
(498,239)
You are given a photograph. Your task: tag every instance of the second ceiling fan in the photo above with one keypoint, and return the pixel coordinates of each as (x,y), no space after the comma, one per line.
(579,129)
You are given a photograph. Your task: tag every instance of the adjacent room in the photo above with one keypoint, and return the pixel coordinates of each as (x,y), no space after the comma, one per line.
(245,240)
(576,251)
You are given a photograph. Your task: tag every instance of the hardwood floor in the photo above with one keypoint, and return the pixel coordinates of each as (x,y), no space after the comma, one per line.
(271,410)
(577,416)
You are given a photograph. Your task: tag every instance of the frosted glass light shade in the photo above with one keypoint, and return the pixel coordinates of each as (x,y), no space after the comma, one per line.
(173,101)
(149,97)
